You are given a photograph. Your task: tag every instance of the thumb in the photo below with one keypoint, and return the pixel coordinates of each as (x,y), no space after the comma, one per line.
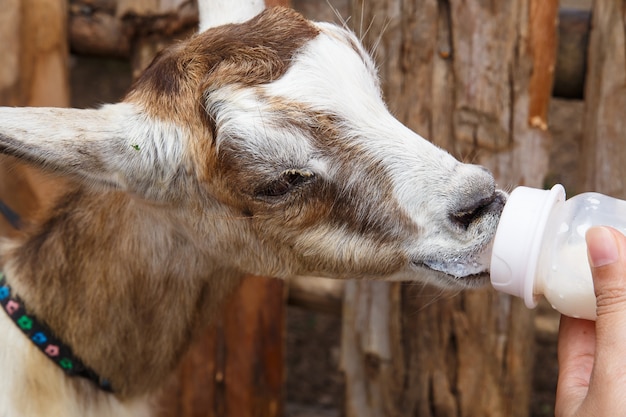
(607,257)
(606,249)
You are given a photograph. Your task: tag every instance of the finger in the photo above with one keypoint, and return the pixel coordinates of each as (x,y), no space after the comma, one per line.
(607,257)
(576,350)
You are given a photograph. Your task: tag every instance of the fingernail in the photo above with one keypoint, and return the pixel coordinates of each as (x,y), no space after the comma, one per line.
(601,247)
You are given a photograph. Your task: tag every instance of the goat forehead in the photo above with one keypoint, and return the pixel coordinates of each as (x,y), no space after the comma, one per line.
(328,78)
(333,75)
(331,72)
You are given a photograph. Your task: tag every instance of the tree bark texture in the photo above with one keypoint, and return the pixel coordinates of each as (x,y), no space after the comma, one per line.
(603,153)
(474,77)
(34,72)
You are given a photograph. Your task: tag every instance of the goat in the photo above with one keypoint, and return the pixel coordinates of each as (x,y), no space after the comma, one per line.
(261,147)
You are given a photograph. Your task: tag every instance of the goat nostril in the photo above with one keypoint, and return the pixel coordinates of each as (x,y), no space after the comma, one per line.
(465,216)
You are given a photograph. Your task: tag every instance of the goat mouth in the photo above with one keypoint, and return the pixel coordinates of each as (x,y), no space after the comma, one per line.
(473,281)
(446,279)
(465,270)
(456,269)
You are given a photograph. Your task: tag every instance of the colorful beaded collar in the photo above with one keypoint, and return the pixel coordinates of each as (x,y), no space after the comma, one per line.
(41,335)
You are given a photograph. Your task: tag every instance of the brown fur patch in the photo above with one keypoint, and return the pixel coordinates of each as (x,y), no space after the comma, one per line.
(255,52)
(123,293)
(175,85)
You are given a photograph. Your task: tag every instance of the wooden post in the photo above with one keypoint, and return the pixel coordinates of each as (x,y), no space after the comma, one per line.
(471,76)
(603,153)
(235,368)
(34,72)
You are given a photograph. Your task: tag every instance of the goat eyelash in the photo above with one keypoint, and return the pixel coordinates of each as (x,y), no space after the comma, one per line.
(288,180)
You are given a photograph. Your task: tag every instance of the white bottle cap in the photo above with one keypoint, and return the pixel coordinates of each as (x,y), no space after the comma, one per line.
(518,240)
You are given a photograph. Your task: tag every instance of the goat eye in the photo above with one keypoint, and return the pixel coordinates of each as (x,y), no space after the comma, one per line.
(287,181)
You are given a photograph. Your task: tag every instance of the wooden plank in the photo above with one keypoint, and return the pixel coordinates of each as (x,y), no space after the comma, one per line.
(603,154)
(543,47)
(235,368)
(459,73)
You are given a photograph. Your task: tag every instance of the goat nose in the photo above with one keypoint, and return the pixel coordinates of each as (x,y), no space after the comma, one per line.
(476,195)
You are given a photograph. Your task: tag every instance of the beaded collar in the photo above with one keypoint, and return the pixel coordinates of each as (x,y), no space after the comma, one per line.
(41,335)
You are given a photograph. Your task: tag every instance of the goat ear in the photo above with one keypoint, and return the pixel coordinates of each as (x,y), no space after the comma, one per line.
(113,146)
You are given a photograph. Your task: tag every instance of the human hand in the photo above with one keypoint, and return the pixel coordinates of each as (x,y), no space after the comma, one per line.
(592,356)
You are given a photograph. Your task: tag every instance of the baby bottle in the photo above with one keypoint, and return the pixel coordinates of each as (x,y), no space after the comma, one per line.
(540,248)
